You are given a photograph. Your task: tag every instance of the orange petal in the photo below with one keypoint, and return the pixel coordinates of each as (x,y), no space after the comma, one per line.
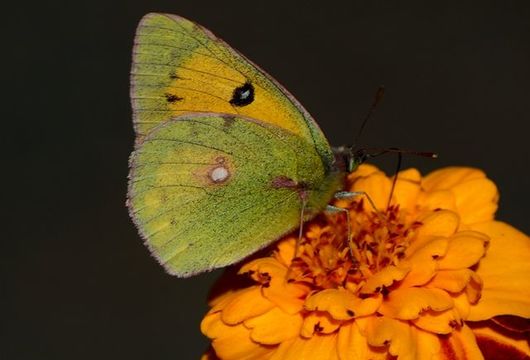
(247,304)
(342,304)
(219,302)
(364,170)
(411,174)
(462,305)
(319,322)
(438,322)
(465,249)
(288,297)
(474,288)
(322,347)
(453,281)
(212,326)
(407,189)
(273,275)
(397,335)
(461,344)
(476,200)
(274,327)
(351,345)
(384,278)
(438,223)
(427,345)
(408,303)
(496,342)
(286,249)
(231,342)
(422,261)
(438,199)
(505,272)
(262,269)
(377,187)
(449,177)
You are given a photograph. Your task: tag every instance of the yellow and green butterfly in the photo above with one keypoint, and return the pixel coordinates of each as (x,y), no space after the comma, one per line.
(226,160)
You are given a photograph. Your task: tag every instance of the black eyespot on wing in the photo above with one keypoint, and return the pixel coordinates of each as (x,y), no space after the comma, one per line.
(173,75)
(171,98)
(243,95)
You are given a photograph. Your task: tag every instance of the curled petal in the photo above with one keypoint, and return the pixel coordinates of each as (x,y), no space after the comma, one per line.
(504,271)
(224,337)
(465,249)
(453,281)
(461,306)
(438,322)
(247,304)
(273,275)
(408,303)
(319,322)
(342,304)
(274,326)
(433,247)
(474,288)
(442,223)
(422,262)
(383,278)
(286,250)
(397,335)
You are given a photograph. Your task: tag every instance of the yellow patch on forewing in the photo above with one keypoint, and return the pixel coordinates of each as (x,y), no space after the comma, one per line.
(207,84)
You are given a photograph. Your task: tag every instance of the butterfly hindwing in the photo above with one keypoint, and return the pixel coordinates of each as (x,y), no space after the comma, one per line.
(180,67)
(206,189)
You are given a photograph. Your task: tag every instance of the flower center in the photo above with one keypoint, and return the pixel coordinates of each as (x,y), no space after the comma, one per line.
(327,259)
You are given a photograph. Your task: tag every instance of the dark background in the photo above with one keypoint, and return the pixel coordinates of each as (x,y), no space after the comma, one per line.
(77,281)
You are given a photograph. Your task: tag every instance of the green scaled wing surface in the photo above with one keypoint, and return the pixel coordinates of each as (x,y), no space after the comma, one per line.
(206,190)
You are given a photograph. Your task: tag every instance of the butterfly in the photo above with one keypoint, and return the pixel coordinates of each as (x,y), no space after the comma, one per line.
(226,160)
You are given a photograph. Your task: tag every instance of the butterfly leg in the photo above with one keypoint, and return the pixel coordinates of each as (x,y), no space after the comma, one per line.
(341,195)
(299,239)
(335,209)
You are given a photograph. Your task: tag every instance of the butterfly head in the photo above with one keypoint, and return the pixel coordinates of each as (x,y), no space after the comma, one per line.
(347,158)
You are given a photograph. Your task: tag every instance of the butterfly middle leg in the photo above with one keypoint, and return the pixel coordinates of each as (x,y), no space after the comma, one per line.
(342,195)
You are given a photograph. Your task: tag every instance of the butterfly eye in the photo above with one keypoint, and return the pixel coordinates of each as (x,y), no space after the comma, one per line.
(243,95)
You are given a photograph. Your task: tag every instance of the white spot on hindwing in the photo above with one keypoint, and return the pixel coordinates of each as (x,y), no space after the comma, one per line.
(219,174)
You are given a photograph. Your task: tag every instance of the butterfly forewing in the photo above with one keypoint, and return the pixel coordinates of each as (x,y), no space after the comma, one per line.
(180,67)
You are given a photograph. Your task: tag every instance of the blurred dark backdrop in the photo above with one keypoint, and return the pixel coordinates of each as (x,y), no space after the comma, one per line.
(77,281)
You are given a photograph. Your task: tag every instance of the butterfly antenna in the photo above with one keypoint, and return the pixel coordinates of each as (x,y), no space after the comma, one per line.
(394,181)
(377,99)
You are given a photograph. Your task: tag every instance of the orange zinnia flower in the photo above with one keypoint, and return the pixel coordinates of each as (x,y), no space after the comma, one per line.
(432,277)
